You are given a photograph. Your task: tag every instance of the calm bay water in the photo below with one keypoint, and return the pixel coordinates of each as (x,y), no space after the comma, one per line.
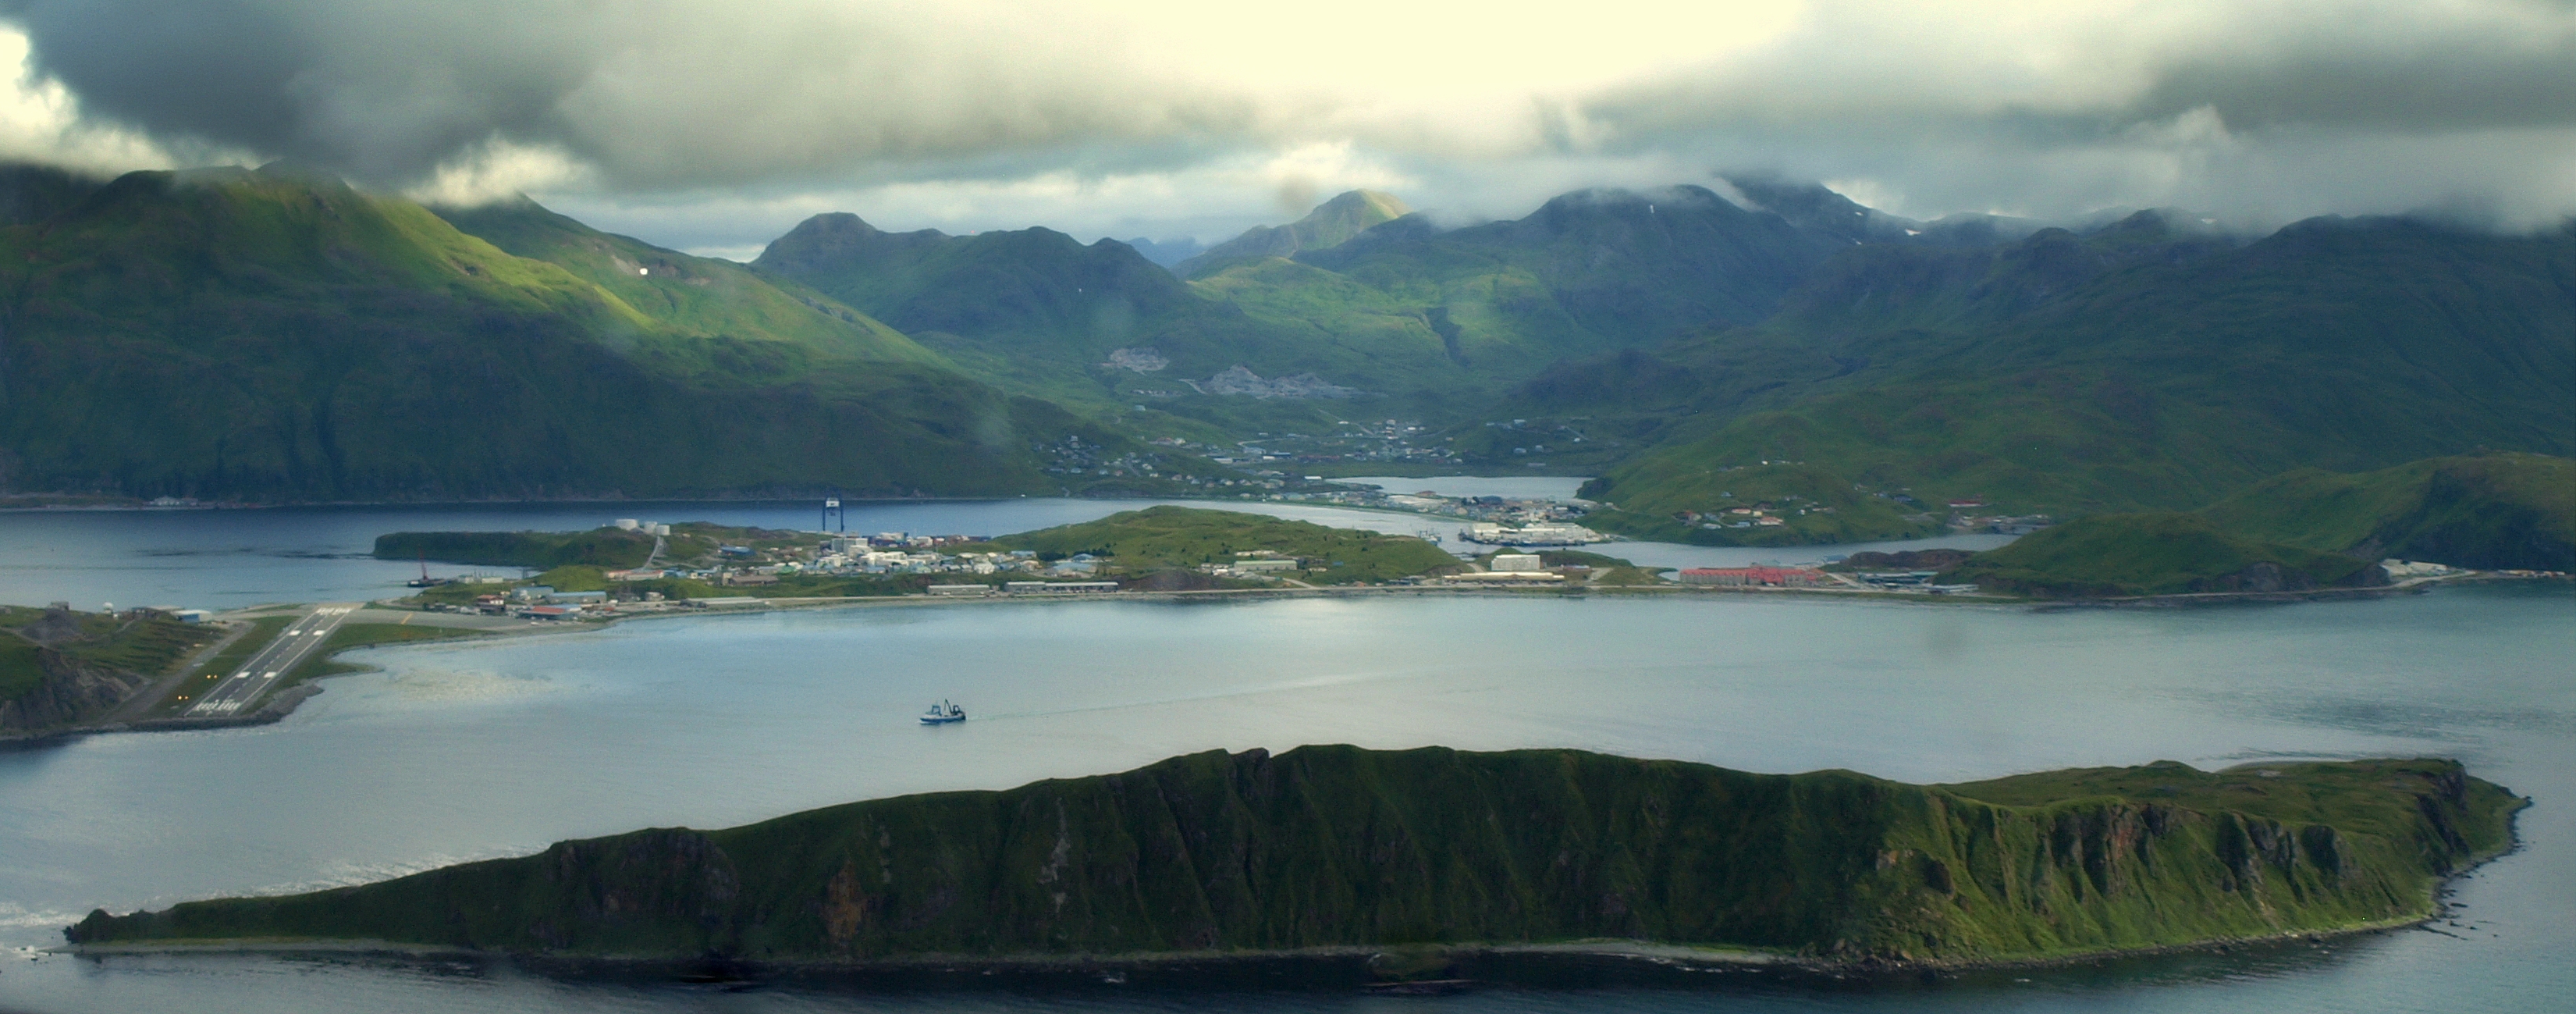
(466,751)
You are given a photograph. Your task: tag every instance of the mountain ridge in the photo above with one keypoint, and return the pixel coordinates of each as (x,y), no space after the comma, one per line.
(245,334)
(1219,853)
(2140,367)
(1330,224)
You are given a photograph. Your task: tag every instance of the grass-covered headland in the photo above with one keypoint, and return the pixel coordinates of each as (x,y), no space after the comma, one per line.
(2491,511)
(2115,555)
(59,667)
(1334,845)
(1178,538)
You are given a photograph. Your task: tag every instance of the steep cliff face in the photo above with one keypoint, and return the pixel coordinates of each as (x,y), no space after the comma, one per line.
(1337,845)
(65,692)
(52,673)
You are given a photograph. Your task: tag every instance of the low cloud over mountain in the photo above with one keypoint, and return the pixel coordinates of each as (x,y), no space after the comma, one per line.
(1176,119)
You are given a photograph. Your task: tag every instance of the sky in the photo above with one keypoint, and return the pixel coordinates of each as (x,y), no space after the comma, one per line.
(714,126)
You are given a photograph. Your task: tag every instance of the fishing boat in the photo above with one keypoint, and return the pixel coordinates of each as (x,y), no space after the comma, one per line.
(943,713)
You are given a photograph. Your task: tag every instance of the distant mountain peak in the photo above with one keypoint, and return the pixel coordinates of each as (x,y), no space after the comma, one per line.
(831,223)
(1332,223)
(833,236)
(1811,205)
(300,171)
(1350,212)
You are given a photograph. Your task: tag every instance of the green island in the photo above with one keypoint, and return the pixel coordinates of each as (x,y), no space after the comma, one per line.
(1170,538)
(599,547)
(1239,855)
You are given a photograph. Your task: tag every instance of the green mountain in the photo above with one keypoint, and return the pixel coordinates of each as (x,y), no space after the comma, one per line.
(276,335)
(1325,846)
(1588,272)
(1332,222)
(33,193)
(1411,318)
(1099,327)
(2487,512)
(2112,555)
(1180,538)
(2142,366)
(1033,309)
(1624,266)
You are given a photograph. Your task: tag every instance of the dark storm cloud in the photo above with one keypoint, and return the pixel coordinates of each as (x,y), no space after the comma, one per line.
(2466,86)
(652,93)
(381,94)
(2267,109)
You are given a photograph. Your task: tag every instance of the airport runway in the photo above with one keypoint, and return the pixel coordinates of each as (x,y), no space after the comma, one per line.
(293,645)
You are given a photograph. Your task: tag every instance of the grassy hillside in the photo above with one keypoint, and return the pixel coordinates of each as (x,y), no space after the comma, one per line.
(271,335)
(1343,846)
(59,667)
(2140,367)
(2491,511)
(2156,554)
(690,295)
(1166,538)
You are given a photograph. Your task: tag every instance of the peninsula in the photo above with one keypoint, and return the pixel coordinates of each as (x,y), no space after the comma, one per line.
(1221,855)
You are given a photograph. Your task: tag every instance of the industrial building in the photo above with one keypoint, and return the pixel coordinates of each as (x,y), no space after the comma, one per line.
(1755,577)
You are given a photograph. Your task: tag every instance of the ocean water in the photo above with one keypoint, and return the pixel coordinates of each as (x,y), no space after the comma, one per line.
(456,752)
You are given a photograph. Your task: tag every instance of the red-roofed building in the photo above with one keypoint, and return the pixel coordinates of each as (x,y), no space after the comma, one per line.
(1755,577)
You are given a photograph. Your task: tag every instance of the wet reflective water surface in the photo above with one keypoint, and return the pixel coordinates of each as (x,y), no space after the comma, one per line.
(456,752)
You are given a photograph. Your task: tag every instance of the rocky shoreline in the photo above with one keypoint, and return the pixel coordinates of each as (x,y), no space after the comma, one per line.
(1354,966)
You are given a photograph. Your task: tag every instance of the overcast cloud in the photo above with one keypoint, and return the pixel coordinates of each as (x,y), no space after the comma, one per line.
(715,125)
